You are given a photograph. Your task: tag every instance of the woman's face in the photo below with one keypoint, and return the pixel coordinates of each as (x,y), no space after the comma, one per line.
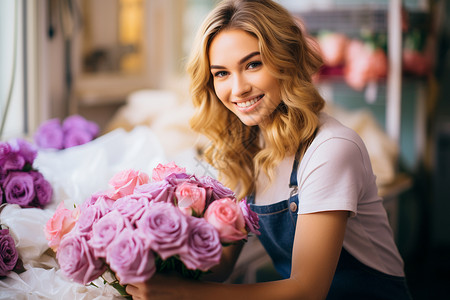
(241,81)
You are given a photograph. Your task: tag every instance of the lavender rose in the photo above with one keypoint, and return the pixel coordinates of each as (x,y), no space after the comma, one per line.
(8,253)
(156,191)
(130,258)
(204,247)
(77,260)
(219,190)
(165,227)
(24,149)
(76,137)
(49,135)
(105,231)
(131,207)
(42,189)
(251,218)
(19,188)
(88,216)
(79,123)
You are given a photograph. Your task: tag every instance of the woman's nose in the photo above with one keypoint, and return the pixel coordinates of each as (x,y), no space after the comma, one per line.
(240,86)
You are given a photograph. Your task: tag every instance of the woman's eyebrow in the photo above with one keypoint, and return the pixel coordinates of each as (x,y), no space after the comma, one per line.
(244,59)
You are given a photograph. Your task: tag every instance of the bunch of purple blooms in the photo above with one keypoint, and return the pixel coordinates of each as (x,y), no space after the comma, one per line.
(74,130)
(9,256)
(20,183)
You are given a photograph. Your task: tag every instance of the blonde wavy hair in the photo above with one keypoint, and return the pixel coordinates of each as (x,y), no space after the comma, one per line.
(236,149)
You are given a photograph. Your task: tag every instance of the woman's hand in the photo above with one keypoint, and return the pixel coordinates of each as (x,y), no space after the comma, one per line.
(160,286)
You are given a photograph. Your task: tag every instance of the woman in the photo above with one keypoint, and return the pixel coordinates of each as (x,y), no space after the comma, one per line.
(307,176)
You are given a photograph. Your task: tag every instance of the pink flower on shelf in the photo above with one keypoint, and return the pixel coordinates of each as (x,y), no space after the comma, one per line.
(130,258)
(162,171)
(60,224)
(191,198)
(226,216)
(123,183)
(333,46)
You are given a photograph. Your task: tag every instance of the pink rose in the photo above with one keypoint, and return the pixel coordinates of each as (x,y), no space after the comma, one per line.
(204,247)
(131,207)
(130,258)
(60,224)
(165,228)
(105,231)
(226,216)
(124,183)
(161,171)
(250,217)
(156,191)
(77,260)
(88,216)
(191,198)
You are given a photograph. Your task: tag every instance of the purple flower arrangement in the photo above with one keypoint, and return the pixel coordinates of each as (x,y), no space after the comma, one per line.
(9,256)
(172,222)
(20,183)
(74,130)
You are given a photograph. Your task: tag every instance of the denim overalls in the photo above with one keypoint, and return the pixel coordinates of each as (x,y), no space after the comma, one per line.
(352,279)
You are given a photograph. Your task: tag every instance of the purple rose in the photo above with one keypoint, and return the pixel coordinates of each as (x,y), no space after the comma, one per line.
(49,135)
(42,189)
(8,253)
(89,215)
(77,260)
(219,190)
(250,217)
(79,123)
(156,191)
(76,137)
(24,149)
(130,258)
(19,188)
(104,203)
(204,247)
(5,149)
(105,230)
(13,162)
(131,207)
(165,227)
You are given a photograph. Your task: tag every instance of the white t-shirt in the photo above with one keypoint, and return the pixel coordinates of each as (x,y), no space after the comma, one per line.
(336,174)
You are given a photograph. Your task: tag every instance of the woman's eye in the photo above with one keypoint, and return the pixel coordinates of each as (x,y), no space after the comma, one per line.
(254,64)
(220,74)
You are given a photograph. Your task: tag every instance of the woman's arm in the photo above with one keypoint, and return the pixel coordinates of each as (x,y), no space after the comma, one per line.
(317,245)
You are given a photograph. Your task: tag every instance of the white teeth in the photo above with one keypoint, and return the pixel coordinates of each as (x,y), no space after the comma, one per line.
(248,103)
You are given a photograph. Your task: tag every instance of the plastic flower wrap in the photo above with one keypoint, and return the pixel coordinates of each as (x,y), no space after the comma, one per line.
(75,130)
(20,183)
(174,222)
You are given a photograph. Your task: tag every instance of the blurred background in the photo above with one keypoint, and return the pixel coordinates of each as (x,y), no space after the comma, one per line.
(120,63)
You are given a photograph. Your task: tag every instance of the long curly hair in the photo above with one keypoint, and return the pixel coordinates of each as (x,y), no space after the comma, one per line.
(238,151)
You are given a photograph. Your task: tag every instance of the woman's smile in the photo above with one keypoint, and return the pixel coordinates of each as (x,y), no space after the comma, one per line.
(241,80)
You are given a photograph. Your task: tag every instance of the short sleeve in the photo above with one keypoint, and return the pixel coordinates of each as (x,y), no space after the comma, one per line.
(332,177)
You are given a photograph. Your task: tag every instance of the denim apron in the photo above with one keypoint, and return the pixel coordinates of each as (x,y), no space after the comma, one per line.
(352,280)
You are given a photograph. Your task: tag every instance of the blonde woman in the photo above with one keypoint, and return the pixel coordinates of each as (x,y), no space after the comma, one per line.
(308,177)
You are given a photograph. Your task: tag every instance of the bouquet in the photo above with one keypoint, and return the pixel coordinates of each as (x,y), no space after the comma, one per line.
(20,183)
(9,256)
(74,131)
(171,222)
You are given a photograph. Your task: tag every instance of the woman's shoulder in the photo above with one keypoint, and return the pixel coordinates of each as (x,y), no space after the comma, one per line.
(330,128)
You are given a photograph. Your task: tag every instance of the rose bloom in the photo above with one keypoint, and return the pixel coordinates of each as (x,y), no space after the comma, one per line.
(77,260)
(105,231)
(13,161)
(218,189)
(25,149)
(251,218)
(76,137)
(156,191)
(130,258)
(78,122)
(204,247)
(165,228)
(125,181)
(42,189)
(59,225)
(226,216)
(88,216)
(49,135)
(191,198)
(8,253)
(19,188)
(162,171)
(131,207)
